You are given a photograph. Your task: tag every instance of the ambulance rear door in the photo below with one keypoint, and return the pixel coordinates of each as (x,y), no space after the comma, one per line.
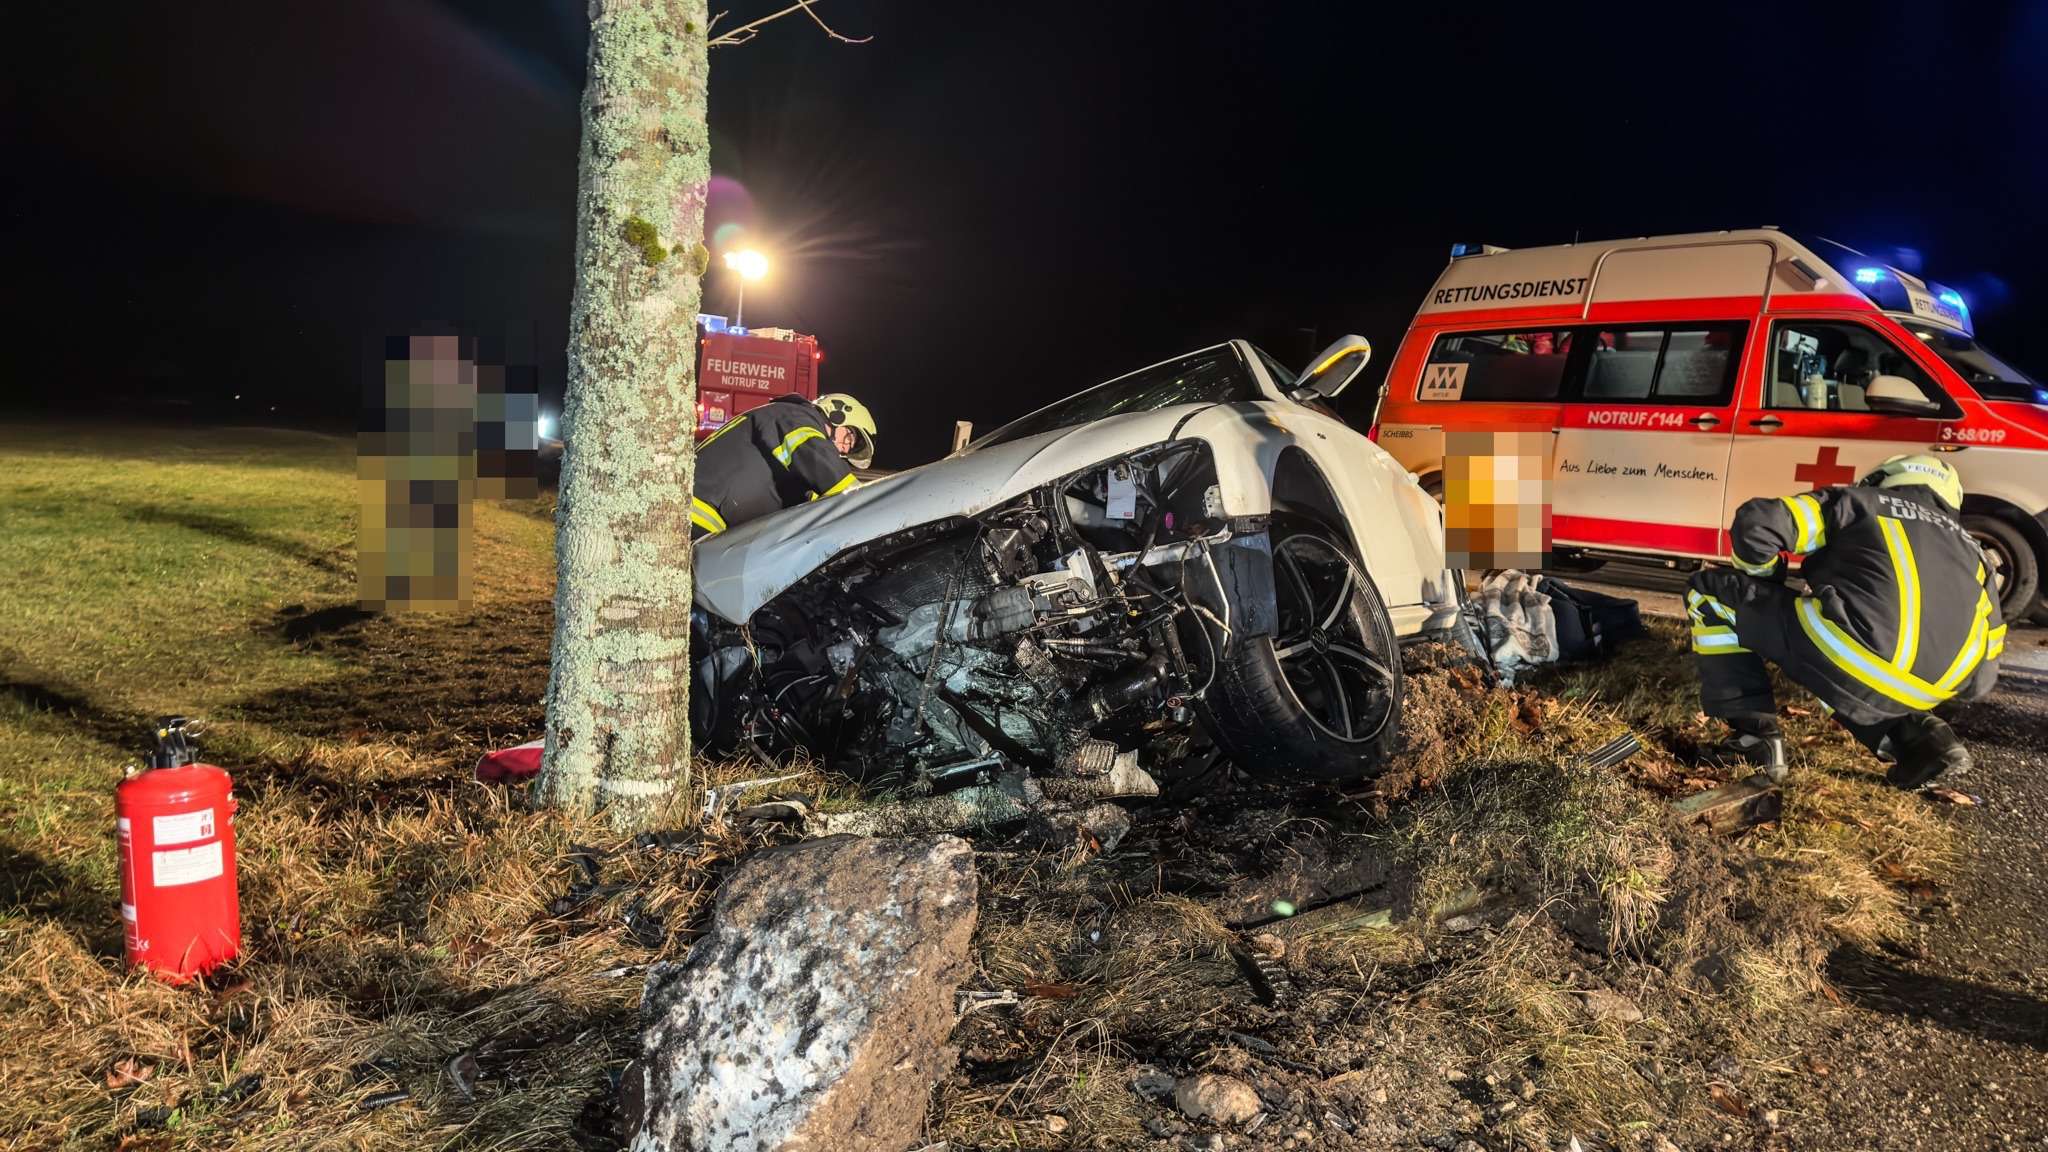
(1642,451)
(1806,423)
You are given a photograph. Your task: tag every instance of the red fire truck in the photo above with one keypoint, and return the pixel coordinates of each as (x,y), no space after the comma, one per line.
(741,369)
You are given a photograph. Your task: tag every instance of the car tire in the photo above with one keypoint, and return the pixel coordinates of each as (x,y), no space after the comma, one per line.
(2019,567)
(1312,701)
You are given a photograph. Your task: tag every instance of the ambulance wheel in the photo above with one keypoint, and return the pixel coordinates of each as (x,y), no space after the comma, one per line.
(2015,570)
(1320,698)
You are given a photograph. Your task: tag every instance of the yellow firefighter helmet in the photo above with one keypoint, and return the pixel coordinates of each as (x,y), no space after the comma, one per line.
(1922,470)
(839,408)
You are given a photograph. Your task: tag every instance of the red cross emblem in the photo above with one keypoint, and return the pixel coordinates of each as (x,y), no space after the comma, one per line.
(1824,472)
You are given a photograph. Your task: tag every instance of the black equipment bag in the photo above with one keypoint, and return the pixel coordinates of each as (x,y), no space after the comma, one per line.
(1589,624)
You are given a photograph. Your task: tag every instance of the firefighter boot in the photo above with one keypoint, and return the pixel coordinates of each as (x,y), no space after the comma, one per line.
(1923,747)
(1757,740)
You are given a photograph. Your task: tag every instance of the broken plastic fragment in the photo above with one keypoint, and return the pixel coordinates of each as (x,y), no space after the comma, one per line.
(716,799)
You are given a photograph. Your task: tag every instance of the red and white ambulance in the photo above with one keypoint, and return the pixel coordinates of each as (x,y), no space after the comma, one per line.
(1683,375)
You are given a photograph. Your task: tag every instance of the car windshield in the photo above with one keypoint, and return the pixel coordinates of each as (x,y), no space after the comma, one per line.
(1993,378)
(1212,376)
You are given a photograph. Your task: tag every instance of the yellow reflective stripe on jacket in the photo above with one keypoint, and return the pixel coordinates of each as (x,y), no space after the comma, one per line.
(1763,569)
(705,516)
(1994,643)
(1973,649)
(1867,667)
(795,440)
(1907,577)
(846,482)
(1813,529)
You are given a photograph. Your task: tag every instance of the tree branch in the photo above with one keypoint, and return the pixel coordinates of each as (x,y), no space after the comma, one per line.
(746,32)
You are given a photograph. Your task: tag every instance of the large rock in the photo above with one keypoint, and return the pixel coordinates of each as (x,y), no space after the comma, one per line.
(814,1013)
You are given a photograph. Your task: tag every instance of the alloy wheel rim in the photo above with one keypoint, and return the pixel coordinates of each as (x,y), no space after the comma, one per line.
(1330,658)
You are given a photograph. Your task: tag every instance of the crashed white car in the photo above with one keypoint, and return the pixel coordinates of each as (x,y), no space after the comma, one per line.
(1197,552)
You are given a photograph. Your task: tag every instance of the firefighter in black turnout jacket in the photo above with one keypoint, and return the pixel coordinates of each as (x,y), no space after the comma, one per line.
(1898,617)
(781,454)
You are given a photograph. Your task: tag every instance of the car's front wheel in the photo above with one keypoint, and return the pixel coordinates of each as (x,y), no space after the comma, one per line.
(1321,696)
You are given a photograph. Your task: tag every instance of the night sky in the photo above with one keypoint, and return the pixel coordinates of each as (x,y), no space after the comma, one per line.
(989,205)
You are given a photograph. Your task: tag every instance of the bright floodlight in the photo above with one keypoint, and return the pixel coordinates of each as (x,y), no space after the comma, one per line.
(748,263)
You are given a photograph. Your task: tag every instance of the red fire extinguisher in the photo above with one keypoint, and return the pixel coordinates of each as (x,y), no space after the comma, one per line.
(175,820)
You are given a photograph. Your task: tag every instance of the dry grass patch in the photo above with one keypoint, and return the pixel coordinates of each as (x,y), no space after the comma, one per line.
(380,944)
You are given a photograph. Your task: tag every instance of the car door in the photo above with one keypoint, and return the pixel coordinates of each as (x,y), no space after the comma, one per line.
(1642,450)
(1805,423)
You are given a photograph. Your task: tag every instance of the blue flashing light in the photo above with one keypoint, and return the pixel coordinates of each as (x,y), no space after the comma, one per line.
(1458,250)
(1869,275)
(1954,299)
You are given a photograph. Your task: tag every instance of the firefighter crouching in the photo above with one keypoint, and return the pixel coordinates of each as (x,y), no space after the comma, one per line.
(1898,617)
(787,451)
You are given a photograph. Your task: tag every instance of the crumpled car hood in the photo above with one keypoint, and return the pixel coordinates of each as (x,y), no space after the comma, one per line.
(739,570)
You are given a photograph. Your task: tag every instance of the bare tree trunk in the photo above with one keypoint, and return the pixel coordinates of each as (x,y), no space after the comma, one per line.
(618,690)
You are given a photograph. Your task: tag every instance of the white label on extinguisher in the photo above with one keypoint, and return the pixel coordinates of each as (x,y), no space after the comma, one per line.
(185,865)
(184,827)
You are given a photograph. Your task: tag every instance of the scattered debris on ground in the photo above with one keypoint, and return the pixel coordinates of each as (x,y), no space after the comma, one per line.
(1502,943)
(1511,939)
(1012,797)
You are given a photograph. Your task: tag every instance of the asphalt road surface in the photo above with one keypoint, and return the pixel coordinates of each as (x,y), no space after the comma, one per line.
(1944,1040)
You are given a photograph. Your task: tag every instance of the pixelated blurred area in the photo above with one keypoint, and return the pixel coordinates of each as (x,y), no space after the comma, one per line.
(507,431)
(1497,498)
(447,421)
(417,463)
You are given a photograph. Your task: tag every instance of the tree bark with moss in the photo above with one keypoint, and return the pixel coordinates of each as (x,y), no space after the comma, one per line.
(618,735)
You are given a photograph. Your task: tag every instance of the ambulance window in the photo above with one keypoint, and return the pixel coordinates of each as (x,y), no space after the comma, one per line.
(1698,364)
(1623,365)
(1694,365)
(1499,366)
(1826,366)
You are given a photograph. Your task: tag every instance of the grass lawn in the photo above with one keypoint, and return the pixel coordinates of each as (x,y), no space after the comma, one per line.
(393,911)
(427,963)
